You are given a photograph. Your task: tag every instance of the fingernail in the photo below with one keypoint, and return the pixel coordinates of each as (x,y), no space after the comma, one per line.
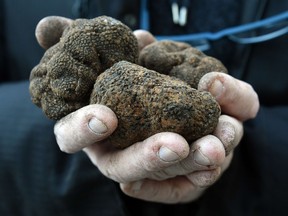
(97,126)
(167,155)
(201,159)
(216,88)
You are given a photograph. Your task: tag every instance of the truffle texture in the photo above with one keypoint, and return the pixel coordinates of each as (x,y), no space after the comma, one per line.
(63,80)
(147,102)
(179,60)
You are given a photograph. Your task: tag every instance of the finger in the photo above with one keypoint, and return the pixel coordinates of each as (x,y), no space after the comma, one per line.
(144,38)
(205,178)
(229,131)
(85,127)
(236,98)
(140,160)
(170,191)
(207,151)
(227,162)
(178,189)
(50,29)
(205,154)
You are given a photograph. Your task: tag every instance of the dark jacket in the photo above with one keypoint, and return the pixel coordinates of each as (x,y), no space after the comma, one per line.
(37,179)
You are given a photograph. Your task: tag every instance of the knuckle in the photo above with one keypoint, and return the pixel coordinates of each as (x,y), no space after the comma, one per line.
(207,178)
(148,159)
(226,132)
(162,175)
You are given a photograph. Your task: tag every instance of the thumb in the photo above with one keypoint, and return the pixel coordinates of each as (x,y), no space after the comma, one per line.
(50,29)
(236,97)
(144,38)
(85,127)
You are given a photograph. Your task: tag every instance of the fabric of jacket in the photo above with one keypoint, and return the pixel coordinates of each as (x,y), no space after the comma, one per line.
(36,178)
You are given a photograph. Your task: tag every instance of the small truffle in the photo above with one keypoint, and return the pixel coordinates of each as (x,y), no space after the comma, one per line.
(63,80)
(147,102)
(180,60)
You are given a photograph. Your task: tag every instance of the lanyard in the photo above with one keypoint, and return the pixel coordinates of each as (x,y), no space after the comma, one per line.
(232,33)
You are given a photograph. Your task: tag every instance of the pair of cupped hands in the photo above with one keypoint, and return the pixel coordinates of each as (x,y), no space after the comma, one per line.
(165,167)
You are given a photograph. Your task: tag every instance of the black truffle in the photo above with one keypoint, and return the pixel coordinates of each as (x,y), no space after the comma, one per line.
(147,102)
(180,60)
(63,80)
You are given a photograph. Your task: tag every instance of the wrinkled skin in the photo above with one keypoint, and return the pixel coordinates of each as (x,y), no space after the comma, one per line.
(164,167)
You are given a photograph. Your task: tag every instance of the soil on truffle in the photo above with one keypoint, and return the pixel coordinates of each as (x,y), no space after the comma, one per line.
(63,80)
(180,60)
(98,61)
(147,102)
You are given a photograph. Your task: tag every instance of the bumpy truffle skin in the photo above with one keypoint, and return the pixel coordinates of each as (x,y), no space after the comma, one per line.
(179,60)
(147,102)
(63,80)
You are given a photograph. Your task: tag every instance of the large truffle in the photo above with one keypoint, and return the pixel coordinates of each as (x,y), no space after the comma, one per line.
(147,102)
(180,60)
(63,80)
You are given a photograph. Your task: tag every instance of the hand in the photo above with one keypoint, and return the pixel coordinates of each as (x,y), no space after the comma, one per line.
(163,168)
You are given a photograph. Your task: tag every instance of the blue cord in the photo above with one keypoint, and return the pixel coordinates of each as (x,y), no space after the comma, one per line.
(144,15)
(261,38)
(230,32)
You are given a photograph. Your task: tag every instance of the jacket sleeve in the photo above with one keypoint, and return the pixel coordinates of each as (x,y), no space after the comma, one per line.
(36,178)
